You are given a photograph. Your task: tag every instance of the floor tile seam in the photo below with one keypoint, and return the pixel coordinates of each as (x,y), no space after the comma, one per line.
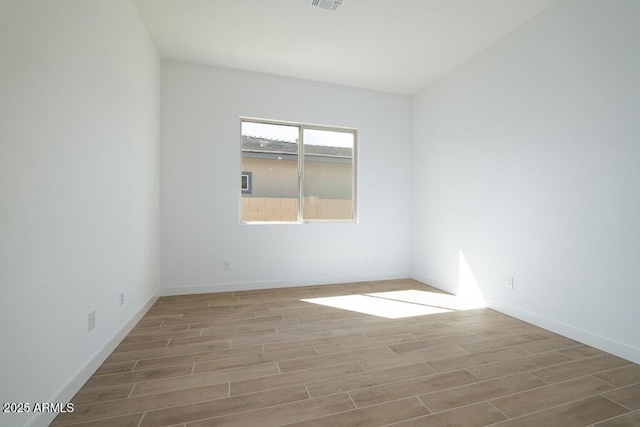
(190,375)
(214,336)
(396,423)
(194,402)
(564,382)
(559,365)
(144,411)
(76,406)
(178,364)
(131,391)
(613,418)
(462,367)
(291,385)
(239,369)
(438,346)
(617,403)
(98,374)
(477,377)
(492,400)
(345,376)
(153,395)
(580,359)
(326,355)
(561,383)
(135,372)
(530,370)
(167,344)
(539,411)
(411,396)
(225,321)
(546,351)
(506,417)
(321,337)
(362,367)
(635,383)
(211,317)
(75,423)
(593,373)
(269,354)
(353,402)
(293,339)
(259,409)
(524,357)
(480,381)
(407,380)
(186,354)
(391,335)
(386,383)
(613,369)
(139,327)
(423,403)
(158,335)
(466,405)
(329,365)
(499,347)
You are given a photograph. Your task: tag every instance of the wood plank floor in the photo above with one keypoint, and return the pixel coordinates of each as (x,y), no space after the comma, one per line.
(270,358)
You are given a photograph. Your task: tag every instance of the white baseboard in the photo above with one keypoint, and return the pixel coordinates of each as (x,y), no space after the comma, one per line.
(81,376)
(250,286)
(597,341)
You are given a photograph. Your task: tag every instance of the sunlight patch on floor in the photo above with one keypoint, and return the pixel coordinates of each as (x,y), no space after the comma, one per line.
(377,306)
(432,299)
(412,302)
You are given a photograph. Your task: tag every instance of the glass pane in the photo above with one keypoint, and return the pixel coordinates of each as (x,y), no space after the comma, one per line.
(328,174)
(270,164)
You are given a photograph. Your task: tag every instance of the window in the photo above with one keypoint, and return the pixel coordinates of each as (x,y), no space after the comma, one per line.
(245,182)
(296,172)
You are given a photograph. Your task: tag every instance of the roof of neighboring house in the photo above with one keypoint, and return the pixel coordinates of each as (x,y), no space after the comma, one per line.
(272,146)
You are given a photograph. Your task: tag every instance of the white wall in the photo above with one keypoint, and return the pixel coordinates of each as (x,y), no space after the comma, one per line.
(200,197)
(79,110)
(526,160)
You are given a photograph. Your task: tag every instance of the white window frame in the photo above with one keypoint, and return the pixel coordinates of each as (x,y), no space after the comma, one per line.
(300,194)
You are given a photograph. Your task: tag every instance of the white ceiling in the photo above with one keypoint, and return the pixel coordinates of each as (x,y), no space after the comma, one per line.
(398,46)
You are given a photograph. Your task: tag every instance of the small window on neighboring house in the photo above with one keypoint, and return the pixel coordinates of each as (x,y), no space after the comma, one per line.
(245,182)
(298,172)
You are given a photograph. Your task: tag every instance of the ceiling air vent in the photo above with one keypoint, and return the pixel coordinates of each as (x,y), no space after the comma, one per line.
(331,5)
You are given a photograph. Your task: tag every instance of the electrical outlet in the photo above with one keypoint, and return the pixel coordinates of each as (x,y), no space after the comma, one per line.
(510,282)
(121,298)
(227,266)
(92,321)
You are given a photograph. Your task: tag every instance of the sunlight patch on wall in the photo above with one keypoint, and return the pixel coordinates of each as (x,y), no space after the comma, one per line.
(468,289)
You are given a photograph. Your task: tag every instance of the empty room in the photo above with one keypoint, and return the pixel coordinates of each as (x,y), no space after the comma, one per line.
(319,212)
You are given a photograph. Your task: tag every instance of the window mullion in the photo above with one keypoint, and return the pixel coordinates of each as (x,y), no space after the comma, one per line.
(300,175)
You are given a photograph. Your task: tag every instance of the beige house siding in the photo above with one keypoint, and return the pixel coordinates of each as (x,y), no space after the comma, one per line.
(279,179)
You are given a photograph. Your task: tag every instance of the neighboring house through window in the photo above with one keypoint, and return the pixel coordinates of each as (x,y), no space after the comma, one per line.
(297,172)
